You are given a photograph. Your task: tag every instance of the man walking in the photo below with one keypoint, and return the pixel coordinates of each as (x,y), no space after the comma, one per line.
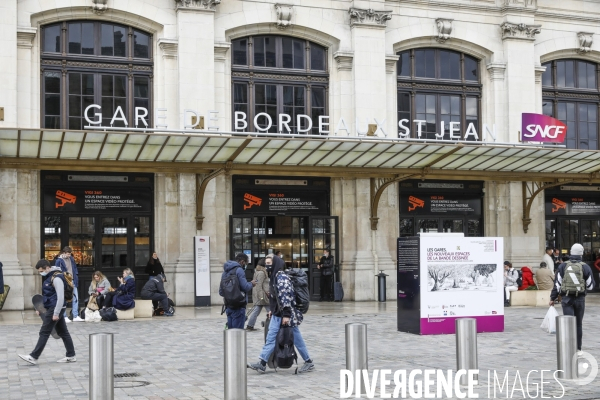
(510,281)
(573,280)
(282,300)
(549,259)
(67,264)
(234,288)
(53,292)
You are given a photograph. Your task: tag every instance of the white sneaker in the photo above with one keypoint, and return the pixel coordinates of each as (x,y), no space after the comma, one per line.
(78,319)
(579,353)
(28,358)
(67,320)
(67,360)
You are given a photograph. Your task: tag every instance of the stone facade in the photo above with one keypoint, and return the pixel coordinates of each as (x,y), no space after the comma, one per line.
(192,70)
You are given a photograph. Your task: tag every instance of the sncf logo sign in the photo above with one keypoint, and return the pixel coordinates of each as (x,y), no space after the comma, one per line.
(541,128)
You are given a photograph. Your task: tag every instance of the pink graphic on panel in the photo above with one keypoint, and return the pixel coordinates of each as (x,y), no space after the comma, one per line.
(541,128)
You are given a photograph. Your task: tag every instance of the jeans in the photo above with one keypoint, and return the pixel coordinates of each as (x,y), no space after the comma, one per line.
(74,303)
(575,306)
(507,290)
(255,313)
(61,329)
(269,346)
(235,317)
(161,298)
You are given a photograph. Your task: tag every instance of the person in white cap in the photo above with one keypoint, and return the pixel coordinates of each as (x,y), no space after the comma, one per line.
(573,279)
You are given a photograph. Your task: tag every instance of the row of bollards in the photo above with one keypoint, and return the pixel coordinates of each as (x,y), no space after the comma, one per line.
(101,373)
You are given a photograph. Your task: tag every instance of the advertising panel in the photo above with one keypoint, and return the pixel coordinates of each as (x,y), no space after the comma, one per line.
(202,270)
(542,128)
(276,201)
(95,198)
(442,277)
(419,203)
(572,205)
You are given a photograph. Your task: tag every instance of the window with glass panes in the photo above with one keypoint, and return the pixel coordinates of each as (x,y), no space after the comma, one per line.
(87,62)
(275,75)
(435,86)
(570,94)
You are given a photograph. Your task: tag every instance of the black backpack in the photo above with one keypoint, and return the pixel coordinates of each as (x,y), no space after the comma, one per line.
(520,278)
(299,280)
(108,314)
(232,294)
(285,353)
(68,284)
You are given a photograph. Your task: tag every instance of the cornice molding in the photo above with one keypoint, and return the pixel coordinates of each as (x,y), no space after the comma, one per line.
(391,60)
(369,17)
(586,39)
(198,5)
(169,47)
(344,60)
(496,71)
(284,15)
(25,36)
(444,27)
(519,31)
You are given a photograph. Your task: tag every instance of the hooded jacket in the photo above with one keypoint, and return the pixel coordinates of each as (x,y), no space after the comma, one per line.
(282,298)
(60,262)
(101,287)
(228,268)
(527,278)
(587,277)
(153,286)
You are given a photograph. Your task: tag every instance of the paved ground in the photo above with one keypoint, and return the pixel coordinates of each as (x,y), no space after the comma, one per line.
(182,357)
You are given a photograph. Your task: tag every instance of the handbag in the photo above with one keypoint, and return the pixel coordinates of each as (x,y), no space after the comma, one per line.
(92,304)
(109,314)
(92,316)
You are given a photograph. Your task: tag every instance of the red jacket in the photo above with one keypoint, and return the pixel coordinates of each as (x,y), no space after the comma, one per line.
(527,278)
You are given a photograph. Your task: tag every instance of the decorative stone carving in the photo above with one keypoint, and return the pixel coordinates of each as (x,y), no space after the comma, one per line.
(585,42)
(284,15)
(99,6)
(169,47)
(344,60)
(539,71)
(496,71)
(25,37)
(360,16)
(519,31)
(521,3)
(221,49)
(207,4)
(444,27)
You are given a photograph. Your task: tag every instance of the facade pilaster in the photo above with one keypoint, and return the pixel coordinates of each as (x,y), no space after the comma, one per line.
(25,65)
(8,61)
(168,95)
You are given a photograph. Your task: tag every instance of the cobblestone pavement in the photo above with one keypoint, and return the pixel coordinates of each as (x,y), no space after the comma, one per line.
(182,357)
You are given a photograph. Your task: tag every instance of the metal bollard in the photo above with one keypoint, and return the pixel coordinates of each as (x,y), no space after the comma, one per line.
(566,347)
(356,351)
(466,346)
(236,379)
(102,367)
(381,286)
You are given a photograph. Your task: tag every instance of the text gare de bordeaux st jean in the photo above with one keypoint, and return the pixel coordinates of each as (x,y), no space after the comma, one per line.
(536,127)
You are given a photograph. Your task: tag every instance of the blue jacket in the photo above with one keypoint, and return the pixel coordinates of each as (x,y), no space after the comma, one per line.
(49,291)
(125,299)
(63,266)
(228,267)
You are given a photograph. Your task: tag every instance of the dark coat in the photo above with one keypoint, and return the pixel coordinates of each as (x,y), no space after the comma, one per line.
(154,267)
(153,286)
(228,267)
(1,280)
(124,300)
(63,266)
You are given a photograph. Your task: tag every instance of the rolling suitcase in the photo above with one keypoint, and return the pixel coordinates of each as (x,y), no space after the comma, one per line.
(338,290)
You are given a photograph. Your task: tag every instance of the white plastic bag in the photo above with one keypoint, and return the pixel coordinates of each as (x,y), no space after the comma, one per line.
(92,316)
(549,322)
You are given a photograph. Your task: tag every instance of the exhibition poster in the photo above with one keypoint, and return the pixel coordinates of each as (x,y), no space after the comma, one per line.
(202,270)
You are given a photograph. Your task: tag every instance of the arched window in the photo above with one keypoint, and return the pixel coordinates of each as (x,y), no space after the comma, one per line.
(570,94)
(87,62)
(280,75)
(438,86)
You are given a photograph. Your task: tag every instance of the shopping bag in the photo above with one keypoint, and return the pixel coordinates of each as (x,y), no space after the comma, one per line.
(549,322)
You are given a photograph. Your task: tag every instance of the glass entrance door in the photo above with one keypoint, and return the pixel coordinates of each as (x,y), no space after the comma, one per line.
(323,236)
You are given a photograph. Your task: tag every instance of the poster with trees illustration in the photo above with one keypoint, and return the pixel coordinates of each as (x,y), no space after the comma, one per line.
(461,277)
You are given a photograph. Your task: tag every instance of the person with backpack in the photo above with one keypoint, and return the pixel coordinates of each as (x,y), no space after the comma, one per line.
(282,301)
(67,264)
(573,279)
(512,281)
(234,288)
(53,292)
